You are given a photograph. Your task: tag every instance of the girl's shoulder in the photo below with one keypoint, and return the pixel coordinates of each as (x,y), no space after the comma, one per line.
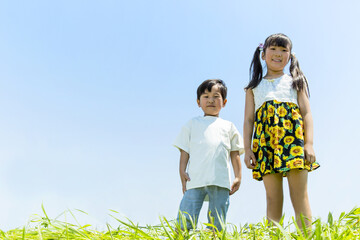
(286,77)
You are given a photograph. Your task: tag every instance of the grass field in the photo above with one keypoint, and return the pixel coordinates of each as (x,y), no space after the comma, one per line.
(347,226)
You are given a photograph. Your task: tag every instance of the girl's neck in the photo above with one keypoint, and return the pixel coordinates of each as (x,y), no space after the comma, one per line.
(272,75)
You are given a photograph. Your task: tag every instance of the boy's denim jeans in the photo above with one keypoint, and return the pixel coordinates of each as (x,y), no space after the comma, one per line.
(193,200)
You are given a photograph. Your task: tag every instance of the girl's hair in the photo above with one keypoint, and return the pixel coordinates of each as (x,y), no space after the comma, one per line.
(208,84)
(256,69)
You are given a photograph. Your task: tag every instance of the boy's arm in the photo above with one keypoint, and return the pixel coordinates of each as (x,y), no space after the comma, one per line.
(184,159)
(236,164)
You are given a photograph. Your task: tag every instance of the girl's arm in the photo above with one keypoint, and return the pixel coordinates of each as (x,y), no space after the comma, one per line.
(184,159)
(236,164)
(249,118)
(305,111)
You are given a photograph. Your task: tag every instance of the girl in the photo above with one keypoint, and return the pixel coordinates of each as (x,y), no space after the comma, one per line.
(277,108)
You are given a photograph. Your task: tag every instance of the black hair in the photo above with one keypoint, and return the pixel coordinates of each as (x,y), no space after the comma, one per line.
(208,84)
(256,69)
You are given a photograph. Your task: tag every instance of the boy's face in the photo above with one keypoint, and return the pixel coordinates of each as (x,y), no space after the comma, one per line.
(211,102)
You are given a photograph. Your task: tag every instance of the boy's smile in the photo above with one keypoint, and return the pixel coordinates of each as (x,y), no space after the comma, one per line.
(211,102)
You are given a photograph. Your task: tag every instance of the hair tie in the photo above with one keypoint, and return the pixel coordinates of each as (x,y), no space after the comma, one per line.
(261,46)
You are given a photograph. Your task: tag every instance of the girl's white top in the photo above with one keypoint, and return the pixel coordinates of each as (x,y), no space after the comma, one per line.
(279,89)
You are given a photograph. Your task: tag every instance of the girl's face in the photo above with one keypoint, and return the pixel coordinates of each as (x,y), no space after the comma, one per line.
(276,58)
(211,102)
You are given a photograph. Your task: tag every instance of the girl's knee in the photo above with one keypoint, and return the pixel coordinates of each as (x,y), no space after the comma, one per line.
(272,198)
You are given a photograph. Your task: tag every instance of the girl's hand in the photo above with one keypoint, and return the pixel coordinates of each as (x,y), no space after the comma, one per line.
(250,160)
(184,178)
(309,154)
(235,186)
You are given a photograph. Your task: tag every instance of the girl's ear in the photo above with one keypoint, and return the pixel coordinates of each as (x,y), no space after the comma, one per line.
(263,55)
(290,58)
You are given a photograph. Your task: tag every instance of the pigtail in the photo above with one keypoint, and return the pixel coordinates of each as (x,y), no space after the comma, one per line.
(299,80)
(256,70)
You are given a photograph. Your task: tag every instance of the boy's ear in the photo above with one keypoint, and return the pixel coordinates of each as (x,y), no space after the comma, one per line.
(225,101)
(198,102)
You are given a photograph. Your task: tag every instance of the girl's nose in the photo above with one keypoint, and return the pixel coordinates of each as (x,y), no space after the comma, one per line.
(278,53)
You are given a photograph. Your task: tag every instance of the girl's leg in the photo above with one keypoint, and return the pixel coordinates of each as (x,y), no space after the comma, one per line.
(274,196)
(299,196)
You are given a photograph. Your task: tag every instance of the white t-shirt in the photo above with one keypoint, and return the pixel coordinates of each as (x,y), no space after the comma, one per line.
(209,140)
(279,89)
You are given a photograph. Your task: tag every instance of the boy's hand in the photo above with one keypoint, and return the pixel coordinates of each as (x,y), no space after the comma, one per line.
(235,186)
(184,178)
(250,160)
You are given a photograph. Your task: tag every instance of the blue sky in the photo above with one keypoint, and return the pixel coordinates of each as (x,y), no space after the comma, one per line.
(93,93)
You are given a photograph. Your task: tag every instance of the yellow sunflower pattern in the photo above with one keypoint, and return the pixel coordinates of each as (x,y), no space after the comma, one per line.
(278,141)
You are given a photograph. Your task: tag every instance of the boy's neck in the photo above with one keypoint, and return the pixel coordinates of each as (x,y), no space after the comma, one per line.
(207,115)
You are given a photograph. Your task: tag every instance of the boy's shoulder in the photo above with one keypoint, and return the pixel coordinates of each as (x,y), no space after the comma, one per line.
(225,121)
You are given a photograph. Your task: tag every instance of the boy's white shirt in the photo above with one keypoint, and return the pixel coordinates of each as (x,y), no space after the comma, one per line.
(208,141)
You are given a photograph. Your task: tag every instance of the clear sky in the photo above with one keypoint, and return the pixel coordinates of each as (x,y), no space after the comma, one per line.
(93,93)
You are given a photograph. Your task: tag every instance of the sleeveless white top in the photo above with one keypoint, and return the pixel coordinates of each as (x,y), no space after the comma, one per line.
(279,89)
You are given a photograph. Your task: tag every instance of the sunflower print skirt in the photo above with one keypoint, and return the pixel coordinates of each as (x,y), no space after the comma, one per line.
(278,141)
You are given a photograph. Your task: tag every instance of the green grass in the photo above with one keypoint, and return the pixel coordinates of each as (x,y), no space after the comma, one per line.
(347,226)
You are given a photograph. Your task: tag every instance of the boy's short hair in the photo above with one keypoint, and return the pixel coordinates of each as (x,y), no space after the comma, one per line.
(208,84)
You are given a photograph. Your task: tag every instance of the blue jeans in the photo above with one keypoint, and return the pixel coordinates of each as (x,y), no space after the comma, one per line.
(193,200)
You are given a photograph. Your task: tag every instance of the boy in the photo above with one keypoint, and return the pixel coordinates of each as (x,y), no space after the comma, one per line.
(205,144)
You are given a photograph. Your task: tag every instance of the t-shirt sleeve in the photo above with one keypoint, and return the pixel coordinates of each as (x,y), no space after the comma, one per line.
(237,142)
(182,141)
